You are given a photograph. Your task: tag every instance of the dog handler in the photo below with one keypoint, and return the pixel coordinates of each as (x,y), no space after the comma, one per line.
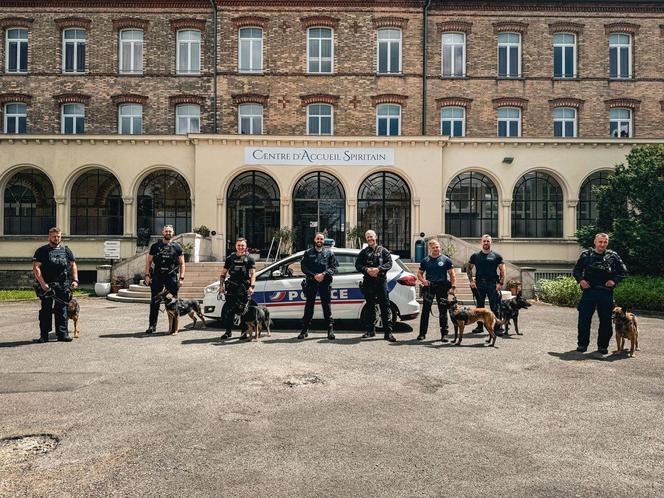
(55,269)
(318,265)
(437,276)
(489,278)
(597,271)
(241,270)
(374,262)
(165,261)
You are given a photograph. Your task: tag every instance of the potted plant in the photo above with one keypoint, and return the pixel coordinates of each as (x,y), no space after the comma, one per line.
(118,282)
(513,286)
(287,237)
(202,230)
(187,250)
(354,237)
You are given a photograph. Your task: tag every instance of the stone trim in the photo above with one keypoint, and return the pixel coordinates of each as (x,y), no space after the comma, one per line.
(71,98)
(566,27)
(566,102)
(316,21)
(243,21)
(319,98)
(129,98)
(454,26)
(510,27)
(454,102)
(73,22)
(174,100)
(510,102)
(633,104)
(16,22)
(10,98)
(389,22)
(389,98)
(622,27)
(661,104)
(250,98)
(187,23)
(130,23)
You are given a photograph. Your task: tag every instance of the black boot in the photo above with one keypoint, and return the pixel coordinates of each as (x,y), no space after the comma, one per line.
(65,338)
(150,329)
(330,331)
(43,337)
(443,333)
(227,335)
(304,333)
(422,336)
(478,328)
(389,337)
(369,333)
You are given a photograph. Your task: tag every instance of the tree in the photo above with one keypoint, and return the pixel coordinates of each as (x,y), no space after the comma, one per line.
(631,208)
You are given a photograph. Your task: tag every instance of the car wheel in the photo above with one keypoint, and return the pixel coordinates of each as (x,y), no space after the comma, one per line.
(378,323)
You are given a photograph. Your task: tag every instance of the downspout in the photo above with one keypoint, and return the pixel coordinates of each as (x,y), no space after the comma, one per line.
(213,3)
(425,51)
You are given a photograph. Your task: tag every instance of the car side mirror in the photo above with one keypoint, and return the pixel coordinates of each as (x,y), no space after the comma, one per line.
(276,273)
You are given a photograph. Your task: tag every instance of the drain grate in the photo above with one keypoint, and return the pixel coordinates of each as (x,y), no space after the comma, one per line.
(19,448)
(302,380)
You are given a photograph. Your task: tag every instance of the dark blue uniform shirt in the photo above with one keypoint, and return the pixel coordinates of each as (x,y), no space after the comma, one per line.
(436,269)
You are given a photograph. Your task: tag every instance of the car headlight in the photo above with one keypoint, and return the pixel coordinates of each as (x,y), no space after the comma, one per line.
(212,289)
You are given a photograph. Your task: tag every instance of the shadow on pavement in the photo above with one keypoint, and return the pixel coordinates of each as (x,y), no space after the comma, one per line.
(16,344)
(575,355)
(136,335)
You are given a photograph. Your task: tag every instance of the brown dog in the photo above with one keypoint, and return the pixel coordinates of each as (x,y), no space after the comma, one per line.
(73,310)
(626,328)
(175,308)
(462,316)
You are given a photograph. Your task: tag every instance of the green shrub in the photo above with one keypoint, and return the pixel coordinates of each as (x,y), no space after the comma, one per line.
(637,292)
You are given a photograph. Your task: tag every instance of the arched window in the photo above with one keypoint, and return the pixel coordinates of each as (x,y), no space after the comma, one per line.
(471,206)
(164,199)
(252,210)
(319,205)
(383,205)
(29,203)
(96,204)
(537,207)
(587,208)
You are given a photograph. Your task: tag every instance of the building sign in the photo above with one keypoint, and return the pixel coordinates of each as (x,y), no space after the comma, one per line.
(317,156)
(112,249)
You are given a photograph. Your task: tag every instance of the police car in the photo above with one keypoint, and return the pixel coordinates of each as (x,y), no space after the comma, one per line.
(279,288)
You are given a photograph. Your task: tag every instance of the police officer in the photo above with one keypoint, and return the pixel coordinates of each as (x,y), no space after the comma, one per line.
(56,273)
(597,271)
(319,264)
(164,268)
(241,270)
(374,262)
(489,278)
(437,276)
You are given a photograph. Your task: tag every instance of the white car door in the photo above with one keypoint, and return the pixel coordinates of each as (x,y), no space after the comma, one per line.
(281,290)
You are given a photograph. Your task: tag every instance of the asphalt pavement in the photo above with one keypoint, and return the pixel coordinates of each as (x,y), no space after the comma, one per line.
(127,414)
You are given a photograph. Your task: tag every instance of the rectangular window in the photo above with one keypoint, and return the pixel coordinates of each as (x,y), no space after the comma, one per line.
(17,51)
(453,121)
(509,55)
(251,50)
(620,56)
(15,118)
(564,55)
(320,50)
(564,122)
(130,119)
(250,119)
(189,52)
(620,123)
(73,51)
(131,51)
(389,51)
(509,122)
(187,119)
(454,55)
(319,119)
(73,119)
(388,120)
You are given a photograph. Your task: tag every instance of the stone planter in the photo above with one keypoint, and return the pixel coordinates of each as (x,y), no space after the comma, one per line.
(102,288)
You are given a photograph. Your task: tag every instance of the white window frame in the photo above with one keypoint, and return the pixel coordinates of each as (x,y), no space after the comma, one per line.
(389,118)
(622,121)
(133,69)
(132,116)
(453,120)
(564,120)
(320,117)
(564,45)
(188,43)
(19,42)
(251,41)
(442,55)
(77,43)
(618,46)
(508,120)
(509,44)
(189,117)
(75,116)
(320,58)
(251,118)
(389,43)
(15,116)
